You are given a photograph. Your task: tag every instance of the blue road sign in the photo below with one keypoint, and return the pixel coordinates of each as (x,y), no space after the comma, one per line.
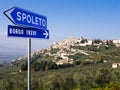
(23,17)
(15,31)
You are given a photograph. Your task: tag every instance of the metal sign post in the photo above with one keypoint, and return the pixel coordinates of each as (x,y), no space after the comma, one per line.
(29,62)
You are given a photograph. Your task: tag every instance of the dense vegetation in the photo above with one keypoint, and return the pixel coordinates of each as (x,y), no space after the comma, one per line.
(86,73)
(80,77)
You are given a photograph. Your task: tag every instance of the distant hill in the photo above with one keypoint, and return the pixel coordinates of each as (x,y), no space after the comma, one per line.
(8,50)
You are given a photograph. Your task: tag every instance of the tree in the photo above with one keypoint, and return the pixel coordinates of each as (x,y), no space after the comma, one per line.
(97,41)
(103,77)
(6,85)
(96,58)
(83,41)
(36,66)
(24,67)
(1,65)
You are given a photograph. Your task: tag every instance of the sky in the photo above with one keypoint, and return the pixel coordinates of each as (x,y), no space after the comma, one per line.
(91,19)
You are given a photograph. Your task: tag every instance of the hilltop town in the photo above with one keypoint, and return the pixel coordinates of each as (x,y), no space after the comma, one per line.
(63,52)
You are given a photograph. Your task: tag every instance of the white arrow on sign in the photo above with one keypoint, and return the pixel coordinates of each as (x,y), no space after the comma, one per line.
(46,34)
(8,14)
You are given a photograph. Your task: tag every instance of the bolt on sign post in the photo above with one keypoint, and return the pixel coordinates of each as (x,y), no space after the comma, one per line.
(29,25)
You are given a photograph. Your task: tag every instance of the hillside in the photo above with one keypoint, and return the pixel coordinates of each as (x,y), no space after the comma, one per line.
(72,64)
(74,49)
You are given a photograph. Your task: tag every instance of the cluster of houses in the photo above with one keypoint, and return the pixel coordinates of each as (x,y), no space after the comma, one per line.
(72,42)
(65,50)
(82,42)
(77,42)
